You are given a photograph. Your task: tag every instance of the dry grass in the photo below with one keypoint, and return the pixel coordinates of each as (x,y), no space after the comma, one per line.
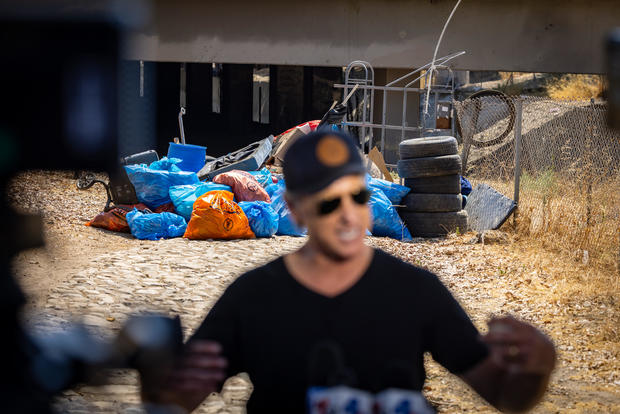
(560,211)
(536,282)
(558,87)
(575,87)
(575,236)
(506,75)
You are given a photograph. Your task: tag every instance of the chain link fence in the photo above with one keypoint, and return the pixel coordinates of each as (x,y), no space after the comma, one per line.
(569,187)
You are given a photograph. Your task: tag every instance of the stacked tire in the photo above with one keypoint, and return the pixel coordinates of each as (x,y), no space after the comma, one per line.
(431,167)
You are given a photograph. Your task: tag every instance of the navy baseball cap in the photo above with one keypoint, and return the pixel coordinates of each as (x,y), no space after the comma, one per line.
(319,158)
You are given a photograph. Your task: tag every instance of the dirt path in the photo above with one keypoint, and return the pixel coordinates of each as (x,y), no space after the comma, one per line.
(104,277)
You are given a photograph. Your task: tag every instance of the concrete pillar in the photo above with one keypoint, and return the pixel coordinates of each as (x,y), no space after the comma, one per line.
(290,99)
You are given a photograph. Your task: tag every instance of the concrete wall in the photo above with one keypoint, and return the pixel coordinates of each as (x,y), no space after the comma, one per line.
(525,35)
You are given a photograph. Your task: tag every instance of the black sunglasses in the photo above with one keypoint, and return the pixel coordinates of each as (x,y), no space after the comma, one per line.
(326,207)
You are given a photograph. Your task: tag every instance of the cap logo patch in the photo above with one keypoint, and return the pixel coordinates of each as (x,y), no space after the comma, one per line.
(332,152)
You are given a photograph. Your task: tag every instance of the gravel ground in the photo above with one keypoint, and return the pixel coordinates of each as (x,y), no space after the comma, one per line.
(103,277)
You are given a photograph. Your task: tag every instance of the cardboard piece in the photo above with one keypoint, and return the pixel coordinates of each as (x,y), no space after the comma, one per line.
(287,140)
(375,156)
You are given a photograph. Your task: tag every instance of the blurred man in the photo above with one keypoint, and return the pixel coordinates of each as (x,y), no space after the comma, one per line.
(374,314)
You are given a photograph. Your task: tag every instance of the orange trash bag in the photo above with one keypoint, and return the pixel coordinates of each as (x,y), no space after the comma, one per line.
(217,216)
(245,186)
(115,219)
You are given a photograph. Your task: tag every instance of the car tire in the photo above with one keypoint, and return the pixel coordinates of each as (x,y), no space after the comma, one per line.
(428,147)
(433,203)
(444,184)
(429,166)
(434,224)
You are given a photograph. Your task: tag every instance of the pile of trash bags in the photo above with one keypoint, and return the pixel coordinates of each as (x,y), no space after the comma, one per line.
(234,205)
(175,203)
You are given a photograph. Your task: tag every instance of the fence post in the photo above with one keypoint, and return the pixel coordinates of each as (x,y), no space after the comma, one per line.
(589,164)
(518,122)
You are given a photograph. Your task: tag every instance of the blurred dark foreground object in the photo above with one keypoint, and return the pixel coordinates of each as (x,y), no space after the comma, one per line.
(613,75)
(60,95)
(59,112)
(150,344)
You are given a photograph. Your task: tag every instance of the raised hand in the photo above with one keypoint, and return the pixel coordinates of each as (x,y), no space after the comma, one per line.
(199,372)
(519,347)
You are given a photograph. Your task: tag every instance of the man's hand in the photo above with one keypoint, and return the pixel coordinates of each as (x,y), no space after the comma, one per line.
(199,372)
(515,374)
(519,347)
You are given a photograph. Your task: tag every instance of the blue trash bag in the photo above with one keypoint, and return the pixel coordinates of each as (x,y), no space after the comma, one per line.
(394,192)
(166,164)
(272,189)
(385,219)
(286,224)
(152,183)
(183,196)
(263,177)
(262,217)
(465,186)
(155,226)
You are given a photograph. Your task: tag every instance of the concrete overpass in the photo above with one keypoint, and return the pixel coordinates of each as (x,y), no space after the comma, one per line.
(305,45)
(523,35)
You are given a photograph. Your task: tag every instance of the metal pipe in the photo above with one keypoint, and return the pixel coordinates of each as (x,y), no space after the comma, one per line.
(390,88)
(363,134)
(345,92)
(372,112)
(390,127)
(383,120)
(183,86)
(439,61)
(404,118)
(518,121)
(425,74)
(372,108)
(181,129)
(141,79)
(368,80)
(452,114)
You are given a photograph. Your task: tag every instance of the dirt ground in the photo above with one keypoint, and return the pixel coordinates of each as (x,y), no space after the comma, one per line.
(100,278)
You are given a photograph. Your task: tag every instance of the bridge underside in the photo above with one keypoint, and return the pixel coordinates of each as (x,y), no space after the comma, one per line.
(528,35)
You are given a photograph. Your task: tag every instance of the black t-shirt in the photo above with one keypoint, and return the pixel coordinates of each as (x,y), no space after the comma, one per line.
(278,331)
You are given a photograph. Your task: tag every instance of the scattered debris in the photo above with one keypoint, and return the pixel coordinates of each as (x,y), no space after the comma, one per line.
(286,139)
(250,158)
(492,237)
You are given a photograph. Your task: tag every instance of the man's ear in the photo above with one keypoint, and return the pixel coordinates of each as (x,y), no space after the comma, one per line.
(294,207)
